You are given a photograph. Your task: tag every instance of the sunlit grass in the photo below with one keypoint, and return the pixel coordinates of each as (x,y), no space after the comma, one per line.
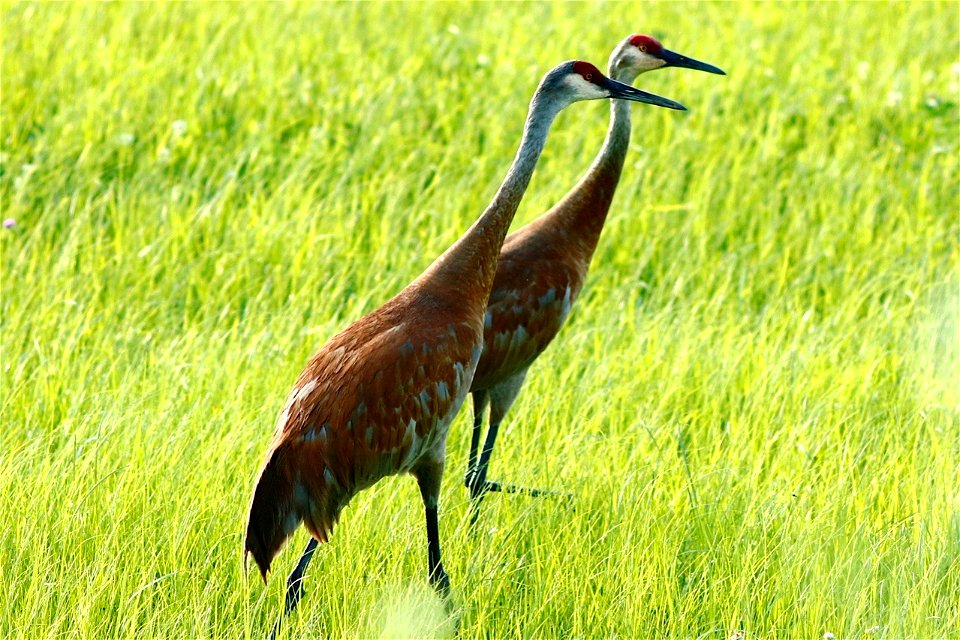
(756,403)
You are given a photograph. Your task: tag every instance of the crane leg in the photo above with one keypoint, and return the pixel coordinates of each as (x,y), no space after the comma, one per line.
(501,398)
(477,475)
(480,399)
(295,586)
(428,477)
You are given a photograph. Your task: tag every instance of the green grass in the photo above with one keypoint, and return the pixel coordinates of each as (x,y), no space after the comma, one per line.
(756,402)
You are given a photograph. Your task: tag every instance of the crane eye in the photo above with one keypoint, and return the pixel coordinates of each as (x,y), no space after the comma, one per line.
(588,77)
(643,48)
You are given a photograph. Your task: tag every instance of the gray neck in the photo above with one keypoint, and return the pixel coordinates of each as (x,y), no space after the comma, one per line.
(472,261)
(614,150)
(500,211)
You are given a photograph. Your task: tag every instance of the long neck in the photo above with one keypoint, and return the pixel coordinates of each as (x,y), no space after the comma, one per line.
(467,268)
(583,210)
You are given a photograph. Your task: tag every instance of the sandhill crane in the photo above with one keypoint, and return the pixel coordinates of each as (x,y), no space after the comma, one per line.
(543,266)
(378,398)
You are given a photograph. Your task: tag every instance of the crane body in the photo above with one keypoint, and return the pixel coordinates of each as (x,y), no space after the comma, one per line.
(378,398)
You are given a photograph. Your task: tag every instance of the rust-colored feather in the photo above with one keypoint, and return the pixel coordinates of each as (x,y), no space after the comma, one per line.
(541,271)
(526,311)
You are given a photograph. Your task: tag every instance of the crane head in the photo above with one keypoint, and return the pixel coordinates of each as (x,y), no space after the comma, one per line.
(578,80)
(640,53)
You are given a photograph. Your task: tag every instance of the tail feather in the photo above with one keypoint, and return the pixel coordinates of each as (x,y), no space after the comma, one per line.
(274,514)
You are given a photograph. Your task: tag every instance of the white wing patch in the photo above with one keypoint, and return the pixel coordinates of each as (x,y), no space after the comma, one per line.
(297,395)
(304,391)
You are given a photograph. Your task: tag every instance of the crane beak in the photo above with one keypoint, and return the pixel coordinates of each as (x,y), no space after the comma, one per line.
(674,59)
(626,92)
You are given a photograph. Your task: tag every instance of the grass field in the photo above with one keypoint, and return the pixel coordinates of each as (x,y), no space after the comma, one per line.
(756,403)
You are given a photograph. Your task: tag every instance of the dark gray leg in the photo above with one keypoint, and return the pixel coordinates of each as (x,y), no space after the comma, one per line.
(479,406)
(435,571)
(295,586)
(480,400)
(477,476)
(501,398)
(428,477)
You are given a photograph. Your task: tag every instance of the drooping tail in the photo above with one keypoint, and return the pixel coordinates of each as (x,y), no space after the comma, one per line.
(274,514)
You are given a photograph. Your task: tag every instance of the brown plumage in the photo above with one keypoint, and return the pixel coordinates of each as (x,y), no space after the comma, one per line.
(369,404)
(543,266)
(378,398)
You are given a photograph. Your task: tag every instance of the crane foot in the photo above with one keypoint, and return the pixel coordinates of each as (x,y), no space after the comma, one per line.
(492,485)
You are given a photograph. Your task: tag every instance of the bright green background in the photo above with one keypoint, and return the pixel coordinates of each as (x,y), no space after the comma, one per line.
(756,402)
